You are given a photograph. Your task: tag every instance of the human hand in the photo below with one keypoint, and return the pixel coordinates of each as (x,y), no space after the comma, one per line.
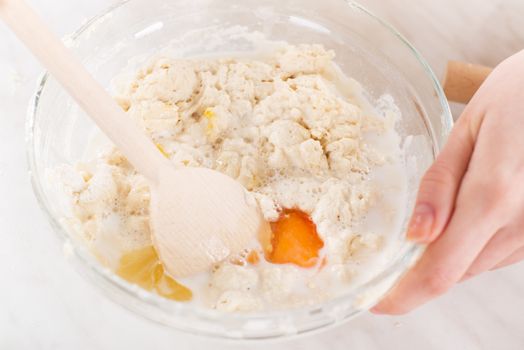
(470,205)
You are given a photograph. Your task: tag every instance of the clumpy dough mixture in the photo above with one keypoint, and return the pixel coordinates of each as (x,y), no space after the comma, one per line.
(290,128)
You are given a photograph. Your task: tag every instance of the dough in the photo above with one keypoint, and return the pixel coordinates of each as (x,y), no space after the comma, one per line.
(279,125)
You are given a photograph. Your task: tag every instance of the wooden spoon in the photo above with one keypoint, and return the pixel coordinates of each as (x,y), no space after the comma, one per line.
(198,216)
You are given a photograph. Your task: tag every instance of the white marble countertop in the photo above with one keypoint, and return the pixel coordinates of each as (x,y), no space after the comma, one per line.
(45,304)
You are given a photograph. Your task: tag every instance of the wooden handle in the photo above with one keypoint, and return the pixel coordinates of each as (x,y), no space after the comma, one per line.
(462,80)
(88,93)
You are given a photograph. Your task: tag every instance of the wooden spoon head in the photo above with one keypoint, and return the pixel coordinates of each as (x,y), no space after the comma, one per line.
(199,217)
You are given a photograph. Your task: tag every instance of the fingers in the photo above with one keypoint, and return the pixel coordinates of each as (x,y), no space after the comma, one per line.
(447,259)
(468,198)
(439,186)
(499,248)
(514,258)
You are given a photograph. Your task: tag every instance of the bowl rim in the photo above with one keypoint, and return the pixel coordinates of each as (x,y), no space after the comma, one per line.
(89,261)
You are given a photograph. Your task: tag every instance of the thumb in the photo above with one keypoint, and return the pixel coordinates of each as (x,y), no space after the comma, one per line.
(439,186)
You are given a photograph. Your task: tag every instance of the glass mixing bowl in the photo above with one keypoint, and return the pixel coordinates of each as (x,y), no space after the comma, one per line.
(367,49)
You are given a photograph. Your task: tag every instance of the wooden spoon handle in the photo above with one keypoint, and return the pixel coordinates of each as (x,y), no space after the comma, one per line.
(88,93)
(462,80)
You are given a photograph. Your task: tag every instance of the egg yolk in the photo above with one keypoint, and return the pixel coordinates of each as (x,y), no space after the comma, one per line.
(294,239)
(253,258)
(142,267)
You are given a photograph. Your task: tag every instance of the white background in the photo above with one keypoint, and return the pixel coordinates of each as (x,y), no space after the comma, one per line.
(45,304)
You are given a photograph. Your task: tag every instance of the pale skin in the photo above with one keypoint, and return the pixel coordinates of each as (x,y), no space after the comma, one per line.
(470,205)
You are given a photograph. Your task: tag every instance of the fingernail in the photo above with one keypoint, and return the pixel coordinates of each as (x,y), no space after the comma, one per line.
(376,310)
(421,223)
